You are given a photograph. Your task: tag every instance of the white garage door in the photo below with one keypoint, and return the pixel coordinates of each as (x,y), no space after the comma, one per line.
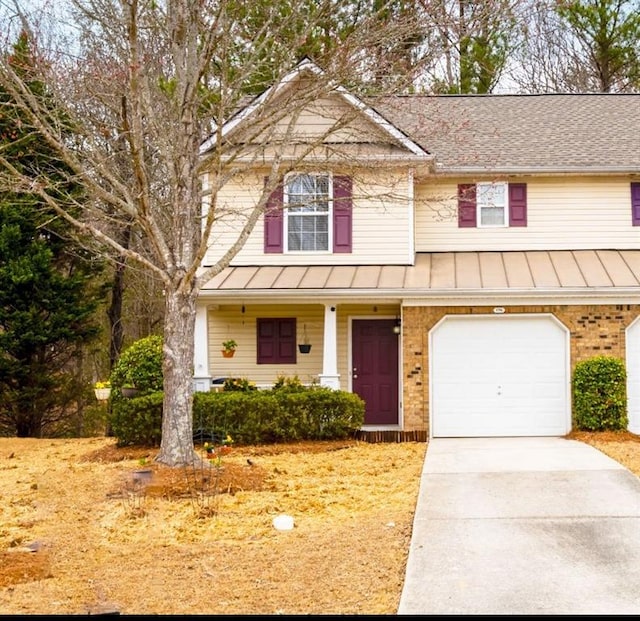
(633,376)
(503,375)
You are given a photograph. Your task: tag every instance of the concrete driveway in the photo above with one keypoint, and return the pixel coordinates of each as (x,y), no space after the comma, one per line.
(523,526)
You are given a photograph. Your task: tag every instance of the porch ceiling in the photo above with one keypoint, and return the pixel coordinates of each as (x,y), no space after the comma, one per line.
(563,272)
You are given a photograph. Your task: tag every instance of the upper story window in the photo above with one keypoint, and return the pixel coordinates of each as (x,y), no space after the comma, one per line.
(491,200)
(486,205)
(308,210)
(310,213)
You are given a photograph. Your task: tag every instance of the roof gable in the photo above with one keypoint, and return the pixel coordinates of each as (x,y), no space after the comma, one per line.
(380,127)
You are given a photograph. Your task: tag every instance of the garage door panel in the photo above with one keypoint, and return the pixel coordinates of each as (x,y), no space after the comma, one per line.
(499,376)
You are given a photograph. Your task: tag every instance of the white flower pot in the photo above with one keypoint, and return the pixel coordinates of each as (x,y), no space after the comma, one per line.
(102,394)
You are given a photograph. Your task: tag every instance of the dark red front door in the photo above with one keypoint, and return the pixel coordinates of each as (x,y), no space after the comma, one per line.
(375,369)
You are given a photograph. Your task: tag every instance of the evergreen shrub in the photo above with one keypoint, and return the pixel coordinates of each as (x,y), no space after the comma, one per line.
(600,394)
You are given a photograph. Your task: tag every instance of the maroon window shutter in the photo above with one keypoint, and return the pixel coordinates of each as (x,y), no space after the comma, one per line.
(517,204)
(274,222)
(342,214)
(635,204)
(266,329)
(287,340)
(466,205)
(276,340)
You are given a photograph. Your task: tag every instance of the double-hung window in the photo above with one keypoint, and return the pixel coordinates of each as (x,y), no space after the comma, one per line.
(491,201)
(308,212)
(492,205)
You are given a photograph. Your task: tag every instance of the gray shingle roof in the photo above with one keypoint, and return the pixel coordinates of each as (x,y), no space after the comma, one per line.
(587,133)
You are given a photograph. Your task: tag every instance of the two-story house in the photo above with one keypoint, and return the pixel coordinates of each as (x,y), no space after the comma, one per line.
(451,270)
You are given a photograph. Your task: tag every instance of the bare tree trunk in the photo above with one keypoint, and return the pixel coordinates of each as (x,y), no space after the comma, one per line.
(176,448)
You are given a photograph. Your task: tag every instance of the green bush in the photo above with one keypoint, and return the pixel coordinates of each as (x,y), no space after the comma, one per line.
(268,416)
(288,412)
(139,366)
(320,413)
(252,417)
(137,422)
(600,394)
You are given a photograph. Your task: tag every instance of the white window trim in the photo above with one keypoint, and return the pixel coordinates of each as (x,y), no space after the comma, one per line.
(505,214)
(329,249)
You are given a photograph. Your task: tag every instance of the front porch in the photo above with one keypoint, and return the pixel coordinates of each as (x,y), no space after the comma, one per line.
(355,347)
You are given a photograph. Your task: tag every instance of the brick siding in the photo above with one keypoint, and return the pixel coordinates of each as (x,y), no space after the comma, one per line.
(595,330)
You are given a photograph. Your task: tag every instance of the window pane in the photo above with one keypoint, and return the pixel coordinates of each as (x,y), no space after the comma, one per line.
(491,193)
(308,232)
(322,185)
(492,215)
(308,193)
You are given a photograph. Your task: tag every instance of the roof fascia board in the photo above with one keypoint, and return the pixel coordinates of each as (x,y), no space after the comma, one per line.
(545,170)
(502,298)
(381,122)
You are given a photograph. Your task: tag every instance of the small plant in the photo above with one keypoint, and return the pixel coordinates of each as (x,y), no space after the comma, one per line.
(229,345)
(215,451)
(238,384)
(102,390)
(289,384)
(206,478)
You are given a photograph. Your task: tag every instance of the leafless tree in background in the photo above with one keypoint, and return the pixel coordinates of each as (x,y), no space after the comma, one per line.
(143,83)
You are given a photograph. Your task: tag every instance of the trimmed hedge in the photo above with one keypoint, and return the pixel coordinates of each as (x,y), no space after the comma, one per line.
(249,417)
(137,421)
(600,394)
(268,416)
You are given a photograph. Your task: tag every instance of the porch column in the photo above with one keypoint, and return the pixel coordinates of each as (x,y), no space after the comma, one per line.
(201,376)
(329,376)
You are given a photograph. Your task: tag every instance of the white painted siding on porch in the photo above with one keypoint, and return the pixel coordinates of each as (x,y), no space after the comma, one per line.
(568,213)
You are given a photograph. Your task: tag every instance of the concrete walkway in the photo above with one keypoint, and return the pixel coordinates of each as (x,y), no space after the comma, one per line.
(523,526)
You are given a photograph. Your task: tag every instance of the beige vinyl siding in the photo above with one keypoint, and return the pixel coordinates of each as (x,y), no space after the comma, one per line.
(330,118)
(568,213)
(337,129)
(228,322)
(381,223)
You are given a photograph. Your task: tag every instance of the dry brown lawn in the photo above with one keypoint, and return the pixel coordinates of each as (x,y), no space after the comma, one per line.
(79,534)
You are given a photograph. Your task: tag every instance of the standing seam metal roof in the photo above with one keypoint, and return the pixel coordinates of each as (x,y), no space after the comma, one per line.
(549,271)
